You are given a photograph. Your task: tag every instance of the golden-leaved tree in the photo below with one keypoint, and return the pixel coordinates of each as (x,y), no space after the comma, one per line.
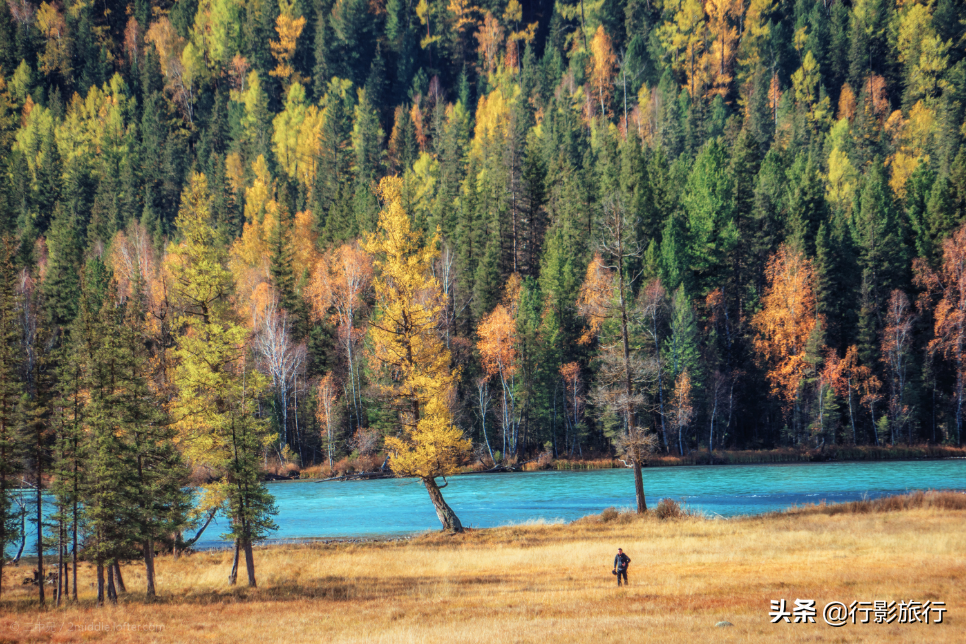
(215,408)
(409,353)
(786,322)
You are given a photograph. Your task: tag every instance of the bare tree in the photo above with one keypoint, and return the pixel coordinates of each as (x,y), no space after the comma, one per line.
(340,284)
(484,399)
(280,357)
(606,296)
(327,411)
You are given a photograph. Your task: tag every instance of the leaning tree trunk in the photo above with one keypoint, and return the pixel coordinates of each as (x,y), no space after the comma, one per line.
(445,513)
(121,588)
(639,488)
(233,575)
(249,562)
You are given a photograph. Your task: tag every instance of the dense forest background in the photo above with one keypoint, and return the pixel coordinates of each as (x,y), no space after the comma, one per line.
(738,217)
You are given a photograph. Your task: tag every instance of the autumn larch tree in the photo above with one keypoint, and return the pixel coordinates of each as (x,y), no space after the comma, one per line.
(785,323)
(215,408)
(408,350)
(602,68)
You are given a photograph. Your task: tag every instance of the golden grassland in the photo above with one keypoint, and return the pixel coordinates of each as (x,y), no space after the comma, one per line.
(550,583)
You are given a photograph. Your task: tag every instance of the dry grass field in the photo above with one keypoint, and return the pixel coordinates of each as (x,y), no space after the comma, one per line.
(550,583)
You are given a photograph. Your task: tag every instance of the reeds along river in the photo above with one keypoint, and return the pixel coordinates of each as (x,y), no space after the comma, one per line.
(387,507)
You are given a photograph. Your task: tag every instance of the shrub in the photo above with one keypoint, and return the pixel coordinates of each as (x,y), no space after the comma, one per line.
(609,514)
(342,466)
(669,509)
(545,460)
(316,472)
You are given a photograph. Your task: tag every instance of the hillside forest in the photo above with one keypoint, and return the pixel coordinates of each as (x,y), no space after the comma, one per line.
(244,235)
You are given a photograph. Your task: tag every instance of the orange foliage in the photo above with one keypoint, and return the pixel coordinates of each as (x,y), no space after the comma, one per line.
(326,412)
(339,283)
(877,98)
(602,67)
(595,302)
(722,18)
(498,333)
(490,38)
(419,123)
(787,320)
(573,386)
(949,284)
(847,103)
(498,342)
(681,405)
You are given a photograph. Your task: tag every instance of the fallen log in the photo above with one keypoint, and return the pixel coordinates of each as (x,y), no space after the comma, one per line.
(358,476)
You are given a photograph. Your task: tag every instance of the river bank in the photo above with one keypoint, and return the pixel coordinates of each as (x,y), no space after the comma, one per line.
(359,469)
(541,582)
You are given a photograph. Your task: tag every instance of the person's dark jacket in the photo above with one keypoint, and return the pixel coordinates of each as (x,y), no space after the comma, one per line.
(621,561)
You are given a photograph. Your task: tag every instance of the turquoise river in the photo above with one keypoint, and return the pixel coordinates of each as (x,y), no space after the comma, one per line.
(396,507)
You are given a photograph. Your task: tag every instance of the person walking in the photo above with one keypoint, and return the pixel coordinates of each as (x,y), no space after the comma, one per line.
(621,562)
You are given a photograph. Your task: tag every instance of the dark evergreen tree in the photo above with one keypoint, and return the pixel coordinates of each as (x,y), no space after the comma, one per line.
(11,389)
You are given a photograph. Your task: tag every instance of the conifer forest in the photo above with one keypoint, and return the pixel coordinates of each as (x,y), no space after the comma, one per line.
(242,236)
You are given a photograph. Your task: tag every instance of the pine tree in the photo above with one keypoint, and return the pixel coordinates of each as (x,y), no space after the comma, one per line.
(709,203)
(10,393)
(805,203)
(836,288)
(109,495)
(879,237)
(160,485)
(70,449)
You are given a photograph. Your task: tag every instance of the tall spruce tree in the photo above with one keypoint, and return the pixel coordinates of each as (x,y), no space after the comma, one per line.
(10,392)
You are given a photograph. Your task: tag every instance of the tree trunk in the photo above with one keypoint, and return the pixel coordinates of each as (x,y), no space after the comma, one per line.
(100,582)
(639,488)
(445,513)
(65,572)
(855,436)
(714,412)
(40,524)
(250,563)
(60,561)
(149,567)
(233,575)
(118,578)
(111,588)
(73,554)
